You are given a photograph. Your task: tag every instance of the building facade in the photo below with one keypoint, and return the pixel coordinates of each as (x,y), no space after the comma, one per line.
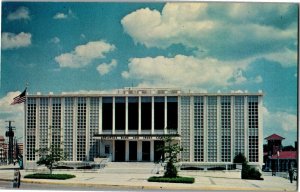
(129,125)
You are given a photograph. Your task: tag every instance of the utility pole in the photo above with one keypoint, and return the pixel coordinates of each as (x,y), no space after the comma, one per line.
(10,134)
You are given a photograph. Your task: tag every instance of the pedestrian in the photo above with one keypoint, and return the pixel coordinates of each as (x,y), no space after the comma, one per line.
(291,174)
(19,178)
(15,180)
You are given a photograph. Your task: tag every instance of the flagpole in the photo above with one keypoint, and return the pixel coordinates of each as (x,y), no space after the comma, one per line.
(24,156)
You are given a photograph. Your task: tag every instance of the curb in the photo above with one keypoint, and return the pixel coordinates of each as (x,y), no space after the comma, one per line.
(150,187)
(146,187)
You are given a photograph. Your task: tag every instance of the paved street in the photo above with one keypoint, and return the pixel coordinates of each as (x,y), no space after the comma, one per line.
(133,176)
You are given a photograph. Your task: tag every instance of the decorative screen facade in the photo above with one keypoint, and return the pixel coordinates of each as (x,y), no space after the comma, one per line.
(129,126)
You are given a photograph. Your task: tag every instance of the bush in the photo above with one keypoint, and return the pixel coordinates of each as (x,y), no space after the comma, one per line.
(240,158)
(172,180)
(216,168)
(49,176)
(62,167)
(191,168)
(250,173)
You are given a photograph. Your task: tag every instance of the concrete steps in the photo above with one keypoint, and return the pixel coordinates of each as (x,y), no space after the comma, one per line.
(129,167)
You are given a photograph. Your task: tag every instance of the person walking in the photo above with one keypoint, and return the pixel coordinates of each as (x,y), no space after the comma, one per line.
(291,174)
(19,178)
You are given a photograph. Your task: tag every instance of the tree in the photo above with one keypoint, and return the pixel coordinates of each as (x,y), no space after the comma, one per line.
(50,156)
(171,151)
(288,148)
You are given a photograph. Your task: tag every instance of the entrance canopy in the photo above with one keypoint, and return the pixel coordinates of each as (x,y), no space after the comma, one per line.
(134,136)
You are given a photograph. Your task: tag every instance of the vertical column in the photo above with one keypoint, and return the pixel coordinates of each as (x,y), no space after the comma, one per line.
(114,115)
(219,129)
(260,131)
(139,150)
(75,106)
(37,126)
(126,115)
(100,115)
(246,128)
(25,135)
(87,129)
(232,127)
(126,150)
(192,147)
(140,116)
(152,115)
(205,127)
(113,150)
(179,115)
(50,122)
(166,116)
(152,150)
(62,121)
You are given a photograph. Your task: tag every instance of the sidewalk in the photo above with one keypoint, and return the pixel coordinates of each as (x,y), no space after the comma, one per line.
(135,177)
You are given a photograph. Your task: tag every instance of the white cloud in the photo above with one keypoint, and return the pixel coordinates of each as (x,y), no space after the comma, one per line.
(183,71)
(280,119)
(105,68)
(11,112)
(60,16)
(211,27)
(20,13)
(13,41)
(238,77)
(285,57)
(84,54)
(55,40)
(70,14)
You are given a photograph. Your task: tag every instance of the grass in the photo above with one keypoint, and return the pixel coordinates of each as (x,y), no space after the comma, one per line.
(49,176)
(172,180)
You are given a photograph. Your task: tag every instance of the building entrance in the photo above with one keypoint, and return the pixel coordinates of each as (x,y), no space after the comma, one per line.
(158,154)
(132,150)
(119,150)
(146,151)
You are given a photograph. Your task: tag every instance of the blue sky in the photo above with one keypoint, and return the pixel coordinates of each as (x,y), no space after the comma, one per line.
(205,47)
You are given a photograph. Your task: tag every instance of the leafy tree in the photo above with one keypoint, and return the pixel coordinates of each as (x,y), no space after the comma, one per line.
(239,158)
(171,151)
(50,156)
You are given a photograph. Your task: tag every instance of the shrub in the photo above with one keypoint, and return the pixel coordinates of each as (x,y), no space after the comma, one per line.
(172,180)
(49,176)
(240,158)
(62,167)
(250,173)
(191,168)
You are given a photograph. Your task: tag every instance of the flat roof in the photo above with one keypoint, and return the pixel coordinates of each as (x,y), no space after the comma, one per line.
(137,95)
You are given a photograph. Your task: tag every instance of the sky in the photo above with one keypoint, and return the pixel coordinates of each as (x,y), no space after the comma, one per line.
(100,47)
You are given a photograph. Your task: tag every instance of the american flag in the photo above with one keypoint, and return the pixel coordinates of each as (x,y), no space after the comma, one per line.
(20,98)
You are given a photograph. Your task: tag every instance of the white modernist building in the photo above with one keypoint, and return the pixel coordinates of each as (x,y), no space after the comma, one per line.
(129,125)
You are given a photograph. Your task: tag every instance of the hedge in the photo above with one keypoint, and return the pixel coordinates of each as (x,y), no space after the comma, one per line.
(49,176)
(172,180)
